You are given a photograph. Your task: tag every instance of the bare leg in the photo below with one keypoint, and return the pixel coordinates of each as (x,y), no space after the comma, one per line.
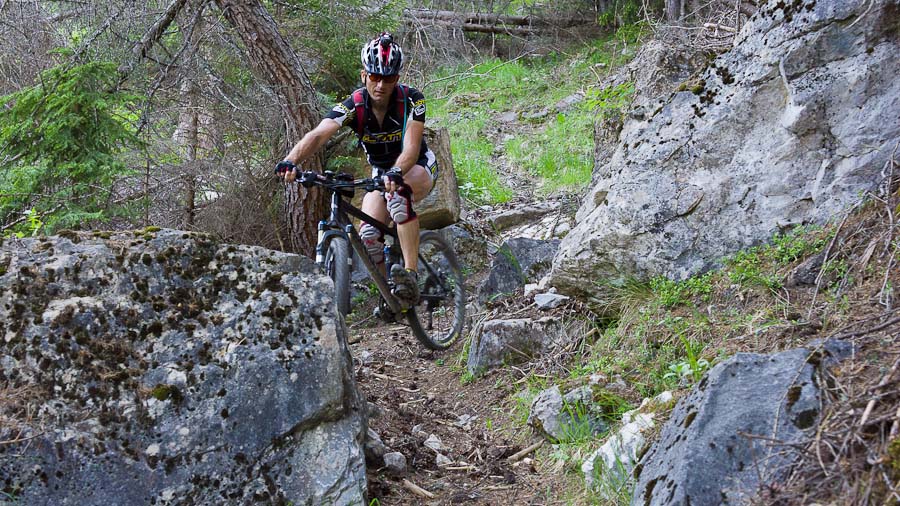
(419,180)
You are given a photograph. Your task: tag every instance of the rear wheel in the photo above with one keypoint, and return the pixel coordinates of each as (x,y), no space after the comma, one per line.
(437,320)
(337,266)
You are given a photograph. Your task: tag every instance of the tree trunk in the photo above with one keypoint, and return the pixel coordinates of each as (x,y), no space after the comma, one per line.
(674,10)
(275,61)
(188,132)
(189,126)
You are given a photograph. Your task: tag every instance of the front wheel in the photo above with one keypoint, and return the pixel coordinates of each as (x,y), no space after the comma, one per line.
(337,266)
(437,320)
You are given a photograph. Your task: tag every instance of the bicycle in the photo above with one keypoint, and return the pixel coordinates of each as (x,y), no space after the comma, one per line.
(437,319)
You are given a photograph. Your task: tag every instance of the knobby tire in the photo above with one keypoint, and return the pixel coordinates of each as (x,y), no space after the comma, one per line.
(439,274)
(337,266)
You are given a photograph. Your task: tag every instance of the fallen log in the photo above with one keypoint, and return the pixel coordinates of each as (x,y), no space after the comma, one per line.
(471,27)
(482,20)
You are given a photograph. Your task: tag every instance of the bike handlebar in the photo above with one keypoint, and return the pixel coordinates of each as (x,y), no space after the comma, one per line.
(339,181)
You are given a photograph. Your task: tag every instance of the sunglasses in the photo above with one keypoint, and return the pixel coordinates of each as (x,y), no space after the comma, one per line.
(387,79)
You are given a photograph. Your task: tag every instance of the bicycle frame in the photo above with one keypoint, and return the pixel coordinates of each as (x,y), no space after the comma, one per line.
(339,224)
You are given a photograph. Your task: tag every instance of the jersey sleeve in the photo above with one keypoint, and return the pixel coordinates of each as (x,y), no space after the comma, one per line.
(417,100)
(344,112)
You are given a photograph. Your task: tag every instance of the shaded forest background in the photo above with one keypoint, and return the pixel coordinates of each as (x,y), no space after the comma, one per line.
(120,114)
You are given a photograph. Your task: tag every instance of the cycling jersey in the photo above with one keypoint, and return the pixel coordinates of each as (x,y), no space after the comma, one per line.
(382,142)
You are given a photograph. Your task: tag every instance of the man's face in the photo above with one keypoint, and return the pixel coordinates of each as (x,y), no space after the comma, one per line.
(379,87)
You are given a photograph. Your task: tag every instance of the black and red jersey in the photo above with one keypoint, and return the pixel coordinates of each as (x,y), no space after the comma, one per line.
(382,142)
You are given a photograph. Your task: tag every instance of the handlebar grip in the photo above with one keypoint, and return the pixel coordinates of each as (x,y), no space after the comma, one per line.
(308,179)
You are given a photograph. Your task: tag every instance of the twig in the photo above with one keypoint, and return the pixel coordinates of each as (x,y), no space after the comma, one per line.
(520,352)
(415,401)
(415,489)
(868,8)
(895,427)
(386,377)
(869,330)
(871,403)
(522,453)
(819,276)
(717,27)
(461,468)
(529,306)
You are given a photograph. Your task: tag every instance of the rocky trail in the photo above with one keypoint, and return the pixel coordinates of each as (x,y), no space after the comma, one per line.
(450,435)
(434,437)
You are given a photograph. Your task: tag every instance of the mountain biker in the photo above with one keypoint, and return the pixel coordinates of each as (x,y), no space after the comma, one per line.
(391,132)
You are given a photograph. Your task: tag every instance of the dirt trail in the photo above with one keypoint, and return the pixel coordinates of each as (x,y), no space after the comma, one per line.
(418,395)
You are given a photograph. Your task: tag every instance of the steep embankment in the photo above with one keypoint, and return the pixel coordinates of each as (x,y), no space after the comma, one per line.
(788,128)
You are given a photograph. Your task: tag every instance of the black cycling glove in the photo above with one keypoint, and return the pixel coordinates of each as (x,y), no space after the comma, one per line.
(284,166)
(395,175)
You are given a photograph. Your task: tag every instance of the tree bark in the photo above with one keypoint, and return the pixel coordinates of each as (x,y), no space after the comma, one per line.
(189,127)
(274,60)
(674,10)
(188,131)
(490,22)
(472,27)
(485,18)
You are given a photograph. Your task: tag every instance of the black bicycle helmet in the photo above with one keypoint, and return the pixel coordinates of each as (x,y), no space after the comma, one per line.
(382,55)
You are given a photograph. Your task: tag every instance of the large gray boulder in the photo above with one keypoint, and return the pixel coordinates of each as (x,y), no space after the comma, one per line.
(517,261)
(504,342)
(165,368)
(788,128)
(734,433)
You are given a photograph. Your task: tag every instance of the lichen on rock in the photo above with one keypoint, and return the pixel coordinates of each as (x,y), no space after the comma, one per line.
(168,365)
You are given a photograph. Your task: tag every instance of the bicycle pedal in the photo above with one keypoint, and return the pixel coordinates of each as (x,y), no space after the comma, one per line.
(384,314)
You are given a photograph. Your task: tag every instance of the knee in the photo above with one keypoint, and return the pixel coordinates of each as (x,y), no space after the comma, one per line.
(420,181)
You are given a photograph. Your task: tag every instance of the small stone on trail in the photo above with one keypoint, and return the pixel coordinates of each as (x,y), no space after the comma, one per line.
(395,463)
(374,447)
(549,300)
(509,117)
(434,443)
(465,421)
(597,379)
(442,460)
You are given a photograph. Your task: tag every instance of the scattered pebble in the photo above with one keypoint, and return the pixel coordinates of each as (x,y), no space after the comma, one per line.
(434,443)
(442,460)
(549,300)
(395,463)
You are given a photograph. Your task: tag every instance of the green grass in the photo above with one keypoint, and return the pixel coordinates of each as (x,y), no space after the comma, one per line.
(561,155)
(673,293)
(667,334)
(556,148)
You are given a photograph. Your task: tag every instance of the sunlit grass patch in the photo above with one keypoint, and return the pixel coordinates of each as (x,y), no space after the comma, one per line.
(561,155)
(478,182)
